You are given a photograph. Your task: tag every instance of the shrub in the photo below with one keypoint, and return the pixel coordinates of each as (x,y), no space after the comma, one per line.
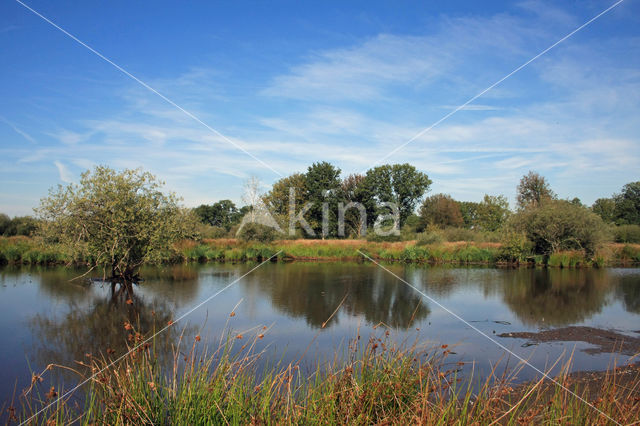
(515,247)
(558,225)
(430,237)
(257,232)
(459,234)
(627,234)
(373,237)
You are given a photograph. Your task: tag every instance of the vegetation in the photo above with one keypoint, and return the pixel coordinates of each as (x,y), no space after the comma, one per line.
(19,225)
(223,214)
(533,190)
(375,382)
(116,220)
(557,225)
(133,222)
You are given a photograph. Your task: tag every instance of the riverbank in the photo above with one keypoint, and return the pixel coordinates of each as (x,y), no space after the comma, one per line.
(24,250)
(373,382)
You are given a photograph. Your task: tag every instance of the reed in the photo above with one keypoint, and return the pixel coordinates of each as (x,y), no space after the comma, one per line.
(373,381)
(25,250)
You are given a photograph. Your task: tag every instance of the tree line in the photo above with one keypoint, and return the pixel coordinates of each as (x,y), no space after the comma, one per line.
(122,219)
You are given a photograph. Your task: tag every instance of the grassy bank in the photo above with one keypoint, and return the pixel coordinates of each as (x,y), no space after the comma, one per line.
(24,250)
(373,382)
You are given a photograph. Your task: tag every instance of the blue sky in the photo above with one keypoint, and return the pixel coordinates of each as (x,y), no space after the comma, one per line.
(297,82)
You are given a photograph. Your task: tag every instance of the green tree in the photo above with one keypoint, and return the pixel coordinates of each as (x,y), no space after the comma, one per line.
(4,223)
(401,184)
(21,225)
(352,190)
(627,210)
(492,212)
(118,220)
(605,208)
(440,210)
(559,225)
(322,185)
(533,190)
(223,214)
(469,211)
(277,200)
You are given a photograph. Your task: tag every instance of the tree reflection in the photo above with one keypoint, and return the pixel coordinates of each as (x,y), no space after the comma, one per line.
(555,297)
(113,321)
(314,291)
(628,290)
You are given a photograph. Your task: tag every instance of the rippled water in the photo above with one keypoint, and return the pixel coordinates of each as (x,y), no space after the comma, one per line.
(45,318)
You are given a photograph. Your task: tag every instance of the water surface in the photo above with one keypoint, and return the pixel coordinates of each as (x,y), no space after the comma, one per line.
(46,318)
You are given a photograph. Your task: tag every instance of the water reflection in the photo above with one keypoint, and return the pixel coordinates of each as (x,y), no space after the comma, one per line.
(555,297)
(628,290)
(103,318)
(315,291)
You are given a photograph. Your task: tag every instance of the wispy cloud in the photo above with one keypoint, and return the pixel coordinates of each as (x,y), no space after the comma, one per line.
(18,130)
(63,171)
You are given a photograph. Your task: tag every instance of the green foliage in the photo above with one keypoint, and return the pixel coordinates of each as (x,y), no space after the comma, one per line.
(558,225)
(208,231)
(605,208)
(19,225)
(459,234)
(429,237)
(469,212)
(222,214)
(440,210)
(533,190)
(4,223)
(492,212)
(277,200)
(372,236)
(257,232)
(401,184)
(627,209)
(626,234)
(515,247)
(119,219)
(322,184)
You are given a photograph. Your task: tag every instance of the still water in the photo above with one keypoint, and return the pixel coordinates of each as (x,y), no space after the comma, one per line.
(46,318)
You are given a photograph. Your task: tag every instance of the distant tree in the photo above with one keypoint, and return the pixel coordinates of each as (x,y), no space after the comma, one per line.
(492,212)
(4,223)
(277,200)
(322,184)
(352,190)
(223,214)
(559,225)
(576,202)
(402,184)
(605,208)
(21,225)
(440,210)
(533,190)
(469,211)
(627,209)
(117,219)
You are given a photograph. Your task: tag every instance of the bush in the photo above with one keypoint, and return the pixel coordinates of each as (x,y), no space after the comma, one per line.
(515,247)
(558,225)
(211,232)
(373,237)
(257,232)
(459,234)
(430,237)
(627,234)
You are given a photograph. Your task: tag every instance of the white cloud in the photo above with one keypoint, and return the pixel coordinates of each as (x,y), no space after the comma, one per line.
(19,131)
(63,171)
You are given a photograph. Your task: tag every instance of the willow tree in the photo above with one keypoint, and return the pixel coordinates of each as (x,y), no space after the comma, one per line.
(116,220)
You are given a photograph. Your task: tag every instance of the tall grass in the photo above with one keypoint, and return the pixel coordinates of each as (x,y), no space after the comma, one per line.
(375,382)
(27,250)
